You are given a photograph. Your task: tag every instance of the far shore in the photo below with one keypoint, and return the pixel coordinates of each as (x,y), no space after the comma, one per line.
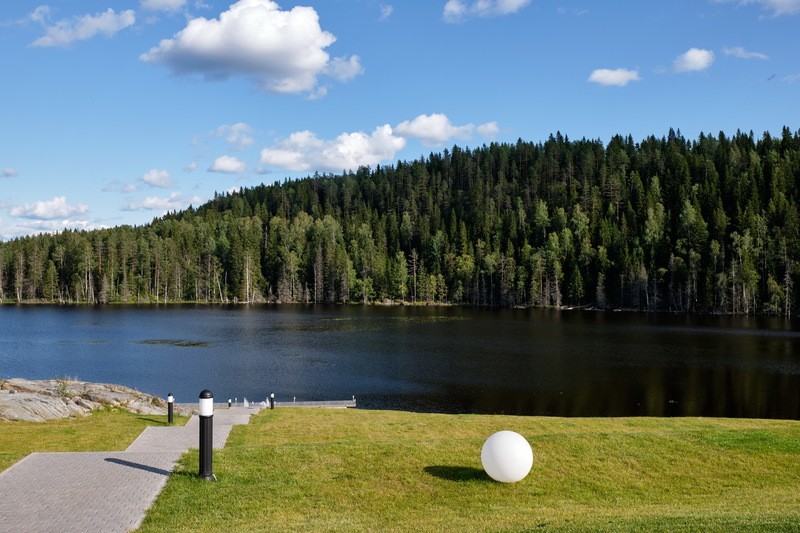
(378,303)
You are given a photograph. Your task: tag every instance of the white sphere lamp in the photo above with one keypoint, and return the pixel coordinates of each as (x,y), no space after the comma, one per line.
(507,457)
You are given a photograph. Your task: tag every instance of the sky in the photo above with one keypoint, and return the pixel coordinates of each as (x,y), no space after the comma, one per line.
(117,111)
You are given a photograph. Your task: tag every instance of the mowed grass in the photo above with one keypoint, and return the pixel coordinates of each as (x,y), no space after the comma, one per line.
(351,470)
(103,431)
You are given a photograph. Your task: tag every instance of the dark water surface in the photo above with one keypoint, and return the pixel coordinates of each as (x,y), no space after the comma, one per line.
(572,363)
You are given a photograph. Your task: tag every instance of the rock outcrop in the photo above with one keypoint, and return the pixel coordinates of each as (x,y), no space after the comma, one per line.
(22,399)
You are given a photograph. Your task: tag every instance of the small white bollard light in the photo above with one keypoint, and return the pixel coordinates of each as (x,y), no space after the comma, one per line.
(170,403)
(507,457)
(206,434)
(272,400)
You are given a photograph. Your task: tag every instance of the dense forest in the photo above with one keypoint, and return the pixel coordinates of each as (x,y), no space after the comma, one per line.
(705,225)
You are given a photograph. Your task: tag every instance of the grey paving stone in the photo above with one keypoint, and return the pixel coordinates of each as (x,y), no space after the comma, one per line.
(100,491)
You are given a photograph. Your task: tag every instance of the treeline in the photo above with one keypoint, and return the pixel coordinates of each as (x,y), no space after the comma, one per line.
(705,225)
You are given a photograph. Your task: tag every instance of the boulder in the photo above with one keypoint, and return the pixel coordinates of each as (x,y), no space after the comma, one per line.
(40,400)
(37,407)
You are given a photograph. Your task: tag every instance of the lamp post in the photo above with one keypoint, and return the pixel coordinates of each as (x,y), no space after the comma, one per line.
(206,434)
(170,403)
(272,400)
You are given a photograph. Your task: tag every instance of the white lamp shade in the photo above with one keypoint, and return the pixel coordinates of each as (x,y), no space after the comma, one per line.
(507,457)
(206,406)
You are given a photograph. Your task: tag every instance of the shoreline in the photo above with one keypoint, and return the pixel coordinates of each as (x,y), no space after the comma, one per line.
(565,308)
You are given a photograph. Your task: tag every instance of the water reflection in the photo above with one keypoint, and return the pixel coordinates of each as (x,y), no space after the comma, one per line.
(424,359)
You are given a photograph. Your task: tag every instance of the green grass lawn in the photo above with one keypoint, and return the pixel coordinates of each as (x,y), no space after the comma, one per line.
(103,431)
(351,470)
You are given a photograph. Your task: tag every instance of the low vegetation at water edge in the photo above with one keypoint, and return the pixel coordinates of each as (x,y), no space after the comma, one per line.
(349,470)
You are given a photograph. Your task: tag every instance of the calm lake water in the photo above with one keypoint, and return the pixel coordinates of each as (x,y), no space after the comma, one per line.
(421,359)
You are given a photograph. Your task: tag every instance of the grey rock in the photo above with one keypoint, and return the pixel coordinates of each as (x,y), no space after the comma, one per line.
(37,407)
(49,399)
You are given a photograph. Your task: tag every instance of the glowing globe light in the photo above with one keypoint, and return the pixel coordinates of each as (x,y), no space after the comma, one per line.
(507,457)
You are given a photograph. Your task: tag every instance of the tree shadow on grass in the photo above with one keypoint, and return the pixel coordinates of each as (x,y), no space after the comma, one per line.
(458,473)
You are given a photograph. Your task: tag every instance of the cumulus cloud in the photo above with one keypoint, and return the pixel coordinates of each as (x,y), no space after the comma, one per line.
(693,60)
(386,11)
(10,229)
(281,51)
(57,208)
(9,172)
(67,31)
(157,178)
(191,167)
(436,129)
(741,53)
(237,135)
(227,165)
(461,10)
(162,5)
(488,130)
(303,150)
(619,77)
(174,202)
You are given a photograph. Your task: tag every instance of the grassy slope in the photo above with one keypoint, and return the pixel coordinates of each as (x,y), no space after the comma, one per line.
(103,431)
(324,470)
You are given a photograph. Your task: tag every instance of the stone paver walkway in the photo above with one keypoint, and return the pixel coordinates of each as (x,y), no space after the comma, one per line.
(101,491)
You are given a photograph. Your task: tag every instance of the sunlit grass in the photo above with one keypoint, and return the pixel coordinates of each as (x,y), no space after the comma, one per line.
(104,430)
(335,470)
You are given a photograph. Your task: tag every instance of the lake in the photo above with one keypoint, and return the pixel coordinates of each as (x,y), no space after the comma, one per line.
(442,359)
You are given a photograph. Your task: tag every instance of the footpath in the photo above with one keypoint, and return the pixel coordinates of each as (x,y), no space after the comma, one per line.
(101,491)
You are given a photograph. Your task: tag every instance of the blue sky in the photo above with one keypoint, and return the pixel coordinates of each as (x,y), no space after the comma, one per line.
(113,112)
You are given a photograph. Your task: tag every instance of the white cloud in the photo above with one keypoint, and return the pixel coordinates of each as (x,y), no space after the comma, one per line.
(57,208)
(619,77)
(19,228)
(237,135)
(158,178)
(778,7)
(191,167)
(281,51)
(488,130)
(693,60)
(174,202)
(227,165)
(9,172)
(436,129)
(342,69)
(65,32)
(781,7)
(40,15)
(118,186)
(741,53)
(386,11)
(303,150)
(461,10)
(162,5)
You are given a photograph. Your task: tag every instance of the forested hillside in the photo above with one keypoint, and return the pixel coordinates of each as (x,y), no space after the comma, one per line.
(705,225)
